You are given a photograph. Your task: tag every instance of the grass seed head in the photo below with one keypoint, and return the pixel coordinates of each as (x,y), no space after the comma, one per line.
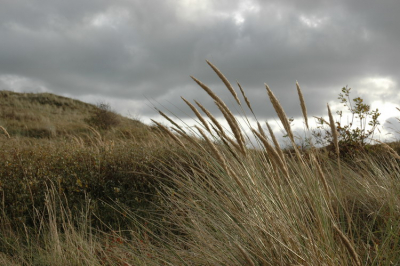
(280,112)
(213,119)
(166,130)
(333,130)
(199,116)
(234,127)
(302,104)
(226,82)
(170,120)
(245,98)
(5,132)
(272,153)
(276,143)
(214,149)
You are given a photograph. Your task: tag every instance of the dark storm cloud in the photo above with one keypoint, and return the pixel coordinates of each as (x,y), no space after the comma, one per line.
(122,49)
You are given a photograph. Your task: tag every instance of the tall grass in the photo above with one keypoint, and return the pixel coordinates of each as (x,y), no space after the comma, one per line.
(265,207)
(227,204)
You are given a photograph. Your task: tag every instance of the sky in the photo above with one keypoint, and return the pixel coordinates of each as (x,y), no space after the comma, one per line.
(138,55)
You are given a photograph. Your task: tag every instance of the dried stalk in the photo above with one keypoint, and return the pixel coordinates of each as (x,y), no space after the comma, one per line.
(302,104)
(196,112)
(225,80)
(281,114)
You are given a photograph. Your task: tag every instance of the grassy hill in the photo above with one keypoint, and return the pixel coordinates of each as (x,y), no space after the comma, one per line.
(88,187)
(46,115)
(80,149)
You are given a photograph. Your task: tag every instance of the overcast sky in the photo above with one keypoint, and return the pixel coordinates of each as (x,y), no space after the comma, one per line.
(133,54)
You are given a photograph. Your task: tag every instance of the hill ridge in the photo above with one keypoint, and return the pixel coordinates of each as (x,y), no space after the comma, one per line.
(48,115)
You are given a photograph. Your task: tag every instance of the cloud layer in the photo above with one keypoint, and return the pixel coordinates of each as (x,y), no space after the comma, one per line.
(125,52)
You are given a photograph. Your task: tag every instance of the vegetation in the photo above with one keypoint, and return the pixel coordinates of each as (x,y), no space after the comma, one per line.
(198,196)
(103,117)
(355,136)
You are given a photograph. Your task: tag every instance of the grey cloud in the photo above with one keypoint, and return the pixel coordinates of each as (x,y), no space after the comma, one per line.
(137,49)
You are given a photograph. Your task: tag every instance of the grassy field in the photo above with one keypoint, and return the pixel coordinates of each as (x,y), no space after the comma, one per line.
(129,194)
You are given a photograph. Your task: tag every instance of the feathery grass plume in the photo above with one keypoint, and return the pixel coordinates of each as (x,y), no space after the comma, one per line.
(281,113)
(224,138)
(222,106)
(272,153)
(220,132)
(222,160)
(5,132)
(169,133)
(170,120)
(214,149)
(186,136)
(261,130)
(213,119)
(302,104)
(98,138)
(334,131)
(245,98)
(225,80)
(215,97)
(78,140)
(199,116)
(234,127)
(347,244)
(335,138)
(276,143)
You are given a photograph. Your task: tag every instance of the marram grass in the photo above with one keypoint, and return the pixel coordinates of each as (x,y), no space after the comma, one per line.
(228,204)
(278,209)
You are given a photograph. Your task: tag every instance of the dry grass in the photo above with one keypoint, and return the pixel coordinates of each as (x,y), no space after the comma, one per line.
(226,82)
(224,207)
(45,115)
(245,98)
(5,132)
(302,104)
(280,112)
(196,112)
(335,138)
(277,223)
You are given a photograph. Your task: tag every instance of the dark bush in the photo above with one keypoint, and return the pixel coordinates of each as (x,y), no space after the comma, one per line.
(356,134)
(103,117)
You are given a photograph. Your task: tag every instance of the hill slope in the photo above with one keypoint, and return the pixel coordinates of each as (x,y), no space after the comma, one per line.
(46,115)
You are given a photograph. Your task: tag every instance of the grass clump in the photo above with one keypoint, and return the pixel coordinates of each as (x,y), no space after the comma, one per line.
(103,117)
(220,202)
(266,207)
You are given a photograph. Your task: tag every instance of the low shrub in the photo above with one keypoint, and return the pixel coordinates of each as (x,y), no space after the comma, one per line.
(354,136)
(103,117)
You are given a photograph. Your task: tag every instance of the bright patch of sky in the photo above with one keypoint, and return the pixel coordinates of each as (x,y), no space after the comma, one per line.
(197,10)
(246,8)
(21,84)
(193,10)
(382,92)
(111,18)
(313,21)
(377,86)
(127,107)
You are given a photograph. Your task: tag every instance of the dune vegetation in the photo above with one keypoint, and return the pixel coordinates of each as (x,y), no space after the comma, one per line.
(100,189)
